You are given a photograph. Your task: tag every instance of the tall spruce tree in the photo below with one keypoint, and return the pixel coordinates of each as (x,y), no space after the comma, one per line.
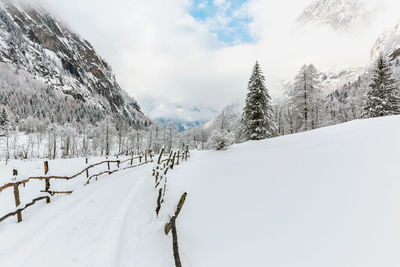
(383,98)
(257,119)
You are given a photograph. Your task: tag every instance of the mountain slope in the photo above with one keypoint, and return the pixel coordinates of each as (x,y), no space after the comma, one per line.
(389,44)
(35,44)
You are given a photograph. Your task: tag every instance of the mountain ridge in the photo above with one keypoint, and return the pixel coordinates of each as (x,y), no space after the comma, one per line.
(34,41)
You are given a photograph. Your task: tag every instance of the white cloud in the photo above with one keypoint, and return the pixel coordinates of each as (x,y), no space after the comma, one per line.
(202,5)
(158,50)
(220,3)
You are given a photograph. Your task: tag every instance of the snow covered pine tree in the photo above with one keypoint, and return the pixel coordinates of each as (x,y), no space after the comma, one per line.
(4,121)
(304,99)
(257,119)
(383,97)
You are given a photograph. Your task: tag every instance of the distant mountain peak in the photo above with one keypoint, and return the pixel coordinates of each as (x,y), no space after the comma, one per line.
(337,14)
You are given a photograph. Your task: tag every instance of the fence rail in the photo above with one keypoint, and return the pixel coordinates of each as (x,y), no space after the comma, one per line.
(148,157)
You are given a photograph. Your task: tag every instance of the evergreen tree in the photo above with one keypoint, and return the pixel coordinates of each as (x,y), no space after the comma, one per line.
(257,119)
(4,121)
(383,98)
(305,99)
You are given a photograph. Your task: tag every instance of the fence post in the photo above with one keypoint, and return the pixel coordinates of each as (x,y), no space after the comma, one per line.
(87,172)
(15,173)
(175,246)
(173,161)
(177,162)
(159,201)
(145,156)
(131,161)
(118,162)
(140,159)
(160,156)
(17,202)
(87,160)
(169,158)
(187,152)
(47,184)
(46,167)
(108,165)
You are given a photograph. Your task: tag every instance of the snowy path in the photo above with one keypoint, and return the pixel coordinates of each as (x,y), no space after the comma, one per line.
(108,223)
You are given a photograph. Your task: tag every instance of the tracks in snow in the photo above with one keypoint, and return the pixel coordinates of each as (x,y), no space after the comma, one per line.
(99,225)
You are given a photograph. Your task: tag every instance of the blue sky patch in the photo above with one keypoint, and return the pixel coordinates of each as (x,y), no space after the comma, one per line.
(228,19)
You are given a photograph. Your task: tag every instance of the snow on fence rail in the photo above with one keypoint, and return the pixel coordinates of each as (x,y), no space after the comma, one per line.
(47,179)
(160,175)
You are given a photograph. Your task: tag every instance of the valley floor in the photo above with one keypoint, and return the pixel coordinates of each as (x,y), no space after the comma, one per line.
(329,197)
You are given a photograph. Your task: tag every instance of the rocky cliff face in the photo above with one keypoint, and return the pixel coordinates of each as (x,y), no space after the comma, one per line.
(38,45)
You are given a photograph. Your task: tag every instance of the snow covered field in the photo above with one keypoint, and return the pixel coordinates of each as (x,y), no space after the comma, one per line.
(329,197)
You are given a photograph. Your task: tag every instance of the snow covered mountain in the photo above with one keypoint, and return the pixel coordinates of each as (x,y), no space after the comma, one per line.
(388,43)
(337,14)
(44,52)
(331,81)
(182,117)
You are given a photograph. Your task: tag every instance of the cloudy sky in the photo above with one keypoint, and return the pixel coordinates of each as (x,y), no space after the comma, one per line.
(200,52)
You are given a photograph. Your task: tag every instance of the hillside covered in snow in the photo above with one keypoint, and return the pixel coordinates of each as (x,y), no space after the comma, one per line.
(44,62)
(327,197)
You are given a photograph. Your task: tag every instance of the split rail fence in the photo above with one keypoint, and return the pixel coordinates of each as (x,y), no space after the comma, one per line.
(142,159)
(160,177)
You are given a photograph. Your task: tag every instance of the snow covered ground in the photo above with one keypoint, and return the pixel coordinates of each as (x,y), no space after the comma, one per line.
(57,167)
(108,223)
(330,197)
(35,167)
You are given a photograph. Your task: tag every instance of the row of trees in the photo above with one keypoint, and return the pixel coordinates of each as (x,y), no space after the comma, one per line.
(305,106)
(43,139)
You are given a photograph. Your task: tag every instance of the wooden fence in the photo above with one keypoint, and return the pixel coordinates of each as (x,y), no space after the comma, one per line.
(160,177)
(142,159)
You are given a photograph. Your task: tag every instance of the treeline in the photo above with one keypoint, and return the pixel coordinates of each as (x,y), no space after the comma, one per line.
(306,106)
(32,138)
